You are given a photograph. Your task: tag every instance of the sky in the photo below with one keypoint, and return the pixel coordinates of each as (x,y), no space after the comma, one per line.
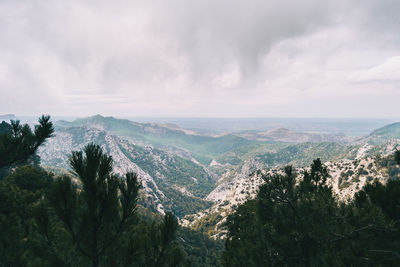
(200,58)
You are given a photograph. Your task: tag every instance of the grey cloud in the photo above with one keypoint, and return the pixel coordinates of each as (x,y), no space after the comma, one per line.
(209,34)
(213,32)
(163,52)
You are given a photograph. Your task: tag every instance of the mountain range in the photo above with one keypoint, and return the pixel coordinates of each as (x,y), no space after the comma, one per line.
(202,177)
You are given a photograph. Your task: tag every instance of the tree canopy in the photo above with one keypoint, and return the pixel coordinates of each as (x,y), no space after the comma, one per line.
(92,216)
(18,143)
(87,218)
(297,221)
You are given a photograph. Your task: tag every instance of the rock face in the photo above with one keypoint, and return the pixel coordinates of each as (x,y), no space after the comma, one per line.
(165,177)
(347,176)
(241,181)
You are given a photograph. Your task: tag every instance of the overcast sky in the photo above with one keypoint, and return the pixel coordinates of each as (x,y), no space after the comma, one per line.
(200,58)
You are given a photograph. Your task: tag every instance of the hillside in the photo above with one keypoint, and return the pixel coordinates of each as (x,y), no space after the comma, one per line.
(384,134)
(288,136)
(170,182)
(347,176)
(166,136)
(351,166)
(202,178)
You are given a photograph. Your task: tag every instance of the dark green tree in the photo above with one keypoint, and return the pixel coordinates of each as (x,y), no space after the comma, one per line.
(23,189)
(5,128)
(298,218)
(376,209)
(201,250)
(89,218)
(297,221)
(98,210)
(21,192)
(397,156)
(18,143)
(162,248)
(244,245)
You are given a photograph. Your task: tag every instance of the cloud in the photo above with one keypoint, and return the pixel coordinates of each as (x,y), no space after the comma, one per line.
(388,71)
(176,57)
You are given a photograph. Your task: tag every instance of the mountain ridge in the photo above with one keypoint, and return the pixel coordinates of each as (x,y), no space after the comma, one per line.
(202,177)
(164,176)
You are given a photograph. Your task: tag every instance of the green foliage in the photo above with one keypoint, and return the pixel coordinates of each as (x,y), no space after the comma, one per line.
(18,143)
(5,128)
(302,154)
(390,163)
(20,194)
(244,245)
(90,219)
(183,204)
(100,212)
(162,248)
(200,249)
(184,182)
(299,222)
(47,221)
(397,156)
(207,223)
(176,170)
(175,173)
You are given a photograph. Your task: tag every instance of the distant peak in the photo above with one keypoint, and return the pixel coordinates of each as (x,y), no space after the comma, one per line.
(279,130)
(97,116)
(92,119)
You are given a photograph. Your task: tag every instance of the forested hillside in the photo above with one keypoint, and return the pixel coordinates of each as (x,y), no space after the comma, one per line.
(89,217)
(88,195)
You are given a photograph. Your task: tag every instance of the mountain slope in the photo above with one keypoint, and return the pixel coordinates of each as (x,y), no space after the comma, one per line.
(287,136)
(202,147)
(170,182)
(201,178)
(346,178)
(384,134)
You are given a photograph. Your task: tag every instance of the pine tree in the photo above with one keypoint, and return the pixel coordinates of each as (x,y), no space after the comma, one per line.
(162,248)
(289,224)
(18,143)
(299,222)
(98,210)
(21,192)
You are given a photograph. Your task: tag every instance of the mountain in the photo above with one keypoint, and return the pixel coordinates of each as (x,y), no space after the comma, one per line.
(170,160)
(351,166)
(346,178)
(384,134)
(383,141)
(170,182)
(287,136)
(349,127)
(279,154)
(202,178)
(204,148)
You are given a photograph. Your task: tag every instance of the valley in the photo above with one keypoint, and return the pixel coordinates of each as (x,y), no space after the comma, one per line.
(202,177)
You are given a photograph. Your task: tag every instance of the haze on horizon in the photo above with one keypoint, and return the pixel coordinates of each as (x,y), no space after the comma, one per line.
(182,58)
